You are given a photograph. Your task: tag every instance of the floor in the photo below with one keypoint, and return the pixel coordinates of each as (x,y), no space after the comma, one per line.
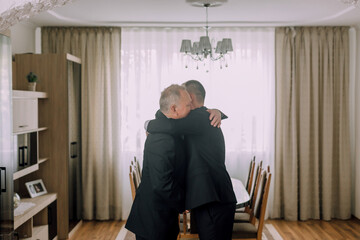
(98,230)
(313,229)
(316,229)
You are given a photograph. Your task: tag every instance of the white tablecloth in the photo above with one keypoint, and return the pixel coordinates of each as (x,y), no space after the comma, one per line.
(242,196)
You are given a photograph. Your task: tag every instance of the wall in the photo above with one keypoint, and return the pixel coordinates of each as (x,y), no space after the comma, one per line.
(23,38)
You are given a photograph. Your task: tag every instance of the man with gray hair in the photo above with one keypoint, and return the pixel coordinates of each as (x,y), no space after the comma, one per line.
(160,196)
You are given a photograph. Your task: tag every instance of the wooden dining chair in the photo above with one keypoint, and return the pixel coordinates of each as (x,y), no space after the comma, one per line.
(185,227)
(138,168)
(249,231)
(250,175)
(248,214)
(134,182)
(252,192)
(257,175)
(256,178)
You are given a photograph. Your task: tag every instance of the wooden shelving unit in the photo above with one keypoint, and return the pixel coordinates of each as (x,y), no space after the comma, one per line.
(33,222)
(40,202)
(59,145)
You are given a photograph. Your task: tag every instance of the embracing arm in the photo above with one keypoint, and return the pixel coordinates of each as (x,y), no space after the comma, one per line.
(195,123)
(216,116)
(192,124)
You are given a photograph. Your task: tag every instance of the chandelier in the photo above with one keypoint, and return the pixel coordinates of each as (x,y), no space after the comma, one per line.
(202,50)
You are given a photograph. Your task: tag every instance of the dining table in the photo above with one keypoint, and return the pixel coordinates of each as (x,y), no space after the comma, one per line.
(242,196)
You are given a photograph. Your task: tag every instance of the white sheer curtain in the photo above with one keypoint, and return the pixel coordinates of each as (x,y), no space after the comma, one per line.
(244,90)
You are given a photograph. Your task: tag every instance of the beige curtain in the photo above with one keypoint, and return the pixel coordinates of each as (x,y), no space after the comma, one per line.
(312,155)
(99,49)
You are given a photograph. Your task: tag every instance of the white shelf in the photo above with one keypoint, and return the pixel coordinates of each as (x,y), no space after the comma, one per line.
(28,94)
(25,171)
(42,129)
(41,160)
(31,130)
(41,202)
(73,58)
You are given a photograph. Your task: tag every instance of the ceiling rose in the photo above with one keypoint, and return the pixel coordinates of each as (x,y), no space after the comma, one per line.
(211,3)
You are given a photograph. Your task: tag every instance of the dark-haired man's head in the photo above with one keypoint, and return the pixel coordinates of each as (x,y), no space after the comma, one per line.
(197,93)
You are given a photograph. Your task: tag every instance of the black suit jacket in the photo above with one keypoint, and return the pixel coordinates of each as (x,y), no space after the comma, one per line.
(207,179)
(160,196)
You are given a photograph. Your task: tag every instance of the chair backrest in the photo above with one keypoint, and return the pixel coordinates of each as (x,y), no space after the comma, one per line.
(138,168)
(253,192)
(259,192)
(135,166)
(250,178)
(261,202)
(133,183)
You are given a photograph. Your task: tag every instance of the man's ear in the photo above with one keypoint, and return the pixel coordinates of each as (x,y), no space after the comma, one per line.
(193,97)
(173,109)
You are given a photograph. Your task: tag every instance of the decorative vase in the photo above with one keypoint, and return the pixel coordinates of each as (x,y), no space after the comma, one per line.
(32,86)
(16,200)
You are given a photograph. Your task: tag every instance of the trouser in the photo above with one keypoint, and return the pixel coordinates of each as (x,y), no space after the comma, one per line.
(214,221)
(164,225)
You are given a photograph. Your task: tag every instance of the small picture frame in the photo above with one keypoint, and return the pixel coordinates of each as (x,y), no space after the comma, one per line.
(36,188)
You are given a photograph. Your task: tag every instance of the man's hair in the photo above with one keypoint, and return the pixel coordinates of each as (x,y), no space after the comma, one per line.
(171,95)
(196,88)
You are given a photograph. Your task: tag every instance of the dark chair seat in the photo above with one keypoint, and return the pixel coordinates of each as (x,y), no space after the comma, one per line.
(244,230)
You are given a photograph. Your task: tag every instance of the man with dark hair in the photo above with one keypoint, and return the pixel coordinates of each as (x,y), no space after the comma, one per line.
(209,193)
(160,196)
(196,91)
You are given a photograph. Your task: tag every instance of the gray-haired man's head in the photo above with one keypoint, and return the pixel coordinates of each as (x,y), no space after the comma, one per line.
(197,92)
(175,102)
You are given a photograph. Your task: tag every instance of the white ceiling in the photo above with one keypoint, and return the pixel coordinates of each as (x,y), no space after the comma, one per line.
(180,13)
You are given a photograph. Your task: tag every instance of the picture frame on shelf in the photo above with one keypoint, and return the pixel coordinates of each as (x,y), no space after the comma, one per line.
(36,188)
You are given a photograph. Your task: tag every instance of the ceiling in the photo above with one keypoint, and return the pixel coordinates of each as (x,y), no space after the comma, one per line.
(170,13)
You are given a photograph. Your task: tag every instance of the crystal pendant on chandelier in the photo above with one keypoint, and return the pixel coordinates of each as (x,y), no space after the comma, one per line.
(203,50)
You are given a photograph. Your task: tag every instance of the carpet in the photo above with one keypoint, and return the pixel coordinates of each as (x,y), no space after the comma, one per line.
(269,233)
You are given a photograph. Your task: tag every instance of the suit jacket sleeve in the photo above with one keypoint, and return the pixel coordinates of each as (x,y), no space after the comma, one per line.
(223,116)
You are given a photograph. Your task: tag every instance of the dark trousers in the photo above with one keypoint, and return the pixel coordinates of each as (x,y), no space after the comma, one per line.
(163,225)
(214,221)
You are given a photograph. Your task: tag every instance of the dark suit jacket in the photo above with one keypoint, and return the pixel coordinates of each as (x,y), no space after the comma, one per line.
(207,179)
(160,196)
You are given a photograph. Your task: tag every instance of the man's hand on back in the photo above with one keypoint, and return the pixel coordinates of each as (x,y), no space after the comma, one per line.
(215,117)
